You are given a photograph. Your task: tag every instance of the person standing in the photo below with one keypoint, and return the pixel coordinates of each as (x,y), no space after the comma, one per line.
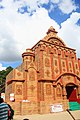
(3,110)
(10,113)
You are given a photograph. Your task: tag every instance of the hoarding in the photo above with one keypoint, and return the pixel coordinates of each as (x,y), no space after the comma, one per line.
(56,108)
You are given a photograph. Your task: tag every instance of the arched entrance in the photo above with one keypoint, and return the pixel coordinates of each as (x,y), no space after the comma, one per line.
(71,90)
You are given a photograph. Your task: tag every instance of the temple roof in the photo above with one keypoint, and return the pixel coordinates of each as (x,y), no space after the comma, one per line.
(52,37)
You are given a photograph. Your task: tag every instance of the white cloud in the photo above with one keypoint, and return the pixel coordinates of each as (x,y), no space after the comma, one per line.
(67,6)
(55,1)
(70,32)
(1,67)
(31,4)
(21,31)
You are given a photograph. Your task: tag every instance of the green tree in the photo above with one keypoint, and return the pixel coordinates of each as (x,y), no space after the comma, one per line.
(3,75)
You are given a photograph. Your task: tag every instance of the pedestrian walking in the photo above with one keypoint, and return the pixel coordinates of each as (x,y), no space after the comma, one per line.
(3,110)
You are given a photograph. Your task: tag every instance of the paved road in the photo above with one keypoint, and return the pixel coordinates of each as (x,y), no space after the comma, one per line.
(52,116)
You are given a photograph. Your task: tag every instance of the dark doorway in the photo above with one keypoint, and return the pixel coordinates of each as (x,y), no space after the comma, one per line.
(71,92)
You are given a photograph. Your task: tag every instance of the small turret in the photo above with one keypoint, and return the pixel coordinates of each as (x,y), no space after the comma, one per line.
(28,55)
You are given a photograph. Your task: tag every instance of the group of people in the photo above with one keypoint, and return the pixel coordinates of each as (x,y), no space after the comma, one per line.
(6,112)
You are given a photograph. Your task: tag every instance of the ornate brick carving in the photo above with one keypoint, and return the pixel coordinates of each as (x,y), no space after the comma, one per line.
(70,65)
(63,64)
(77,72)
(56,41)
(56,70)
(76,66)
(55,62)
(55,51)
(48,89)
(32,65)
(59,52)
(18,73)
(47,73)
(68,77)
(47,62)
(32,87)
(70,70)
(58,91)
(32,76)
(64,70)
(18,89)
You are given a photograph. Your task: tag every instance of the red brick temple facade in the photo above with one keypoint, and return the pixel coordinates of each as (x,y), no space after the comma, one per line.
(48,75)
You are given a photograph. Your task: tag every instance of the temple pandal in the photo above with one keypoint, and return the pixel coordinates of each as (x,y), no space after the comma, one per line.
(47,79)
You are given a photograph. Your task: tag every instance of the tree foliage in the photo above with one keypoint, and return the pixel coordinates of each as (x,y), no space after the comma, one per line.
(3,75)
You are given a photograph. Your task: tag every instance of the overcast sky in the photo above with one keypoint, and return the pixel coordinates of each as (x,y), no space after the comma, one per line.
(24,22)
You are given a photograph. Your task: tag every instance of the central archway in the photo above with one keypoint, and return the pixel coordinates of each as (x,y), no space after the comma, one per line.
(71,90)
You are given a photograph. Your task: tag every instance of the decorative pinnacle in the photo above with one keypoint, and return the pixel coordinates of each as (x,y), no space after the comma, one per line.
(51,29)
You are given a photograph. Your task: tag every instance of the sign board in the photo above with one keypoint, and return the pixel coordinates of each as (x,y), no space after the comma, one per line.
(56,108)
(12,97)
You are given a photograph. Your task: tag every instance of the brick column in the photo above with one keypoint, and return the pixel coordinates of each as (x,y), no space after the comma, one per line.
(25,86)
(41,64)
(51,56)
(42,91)
(64,93)
(67,64)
